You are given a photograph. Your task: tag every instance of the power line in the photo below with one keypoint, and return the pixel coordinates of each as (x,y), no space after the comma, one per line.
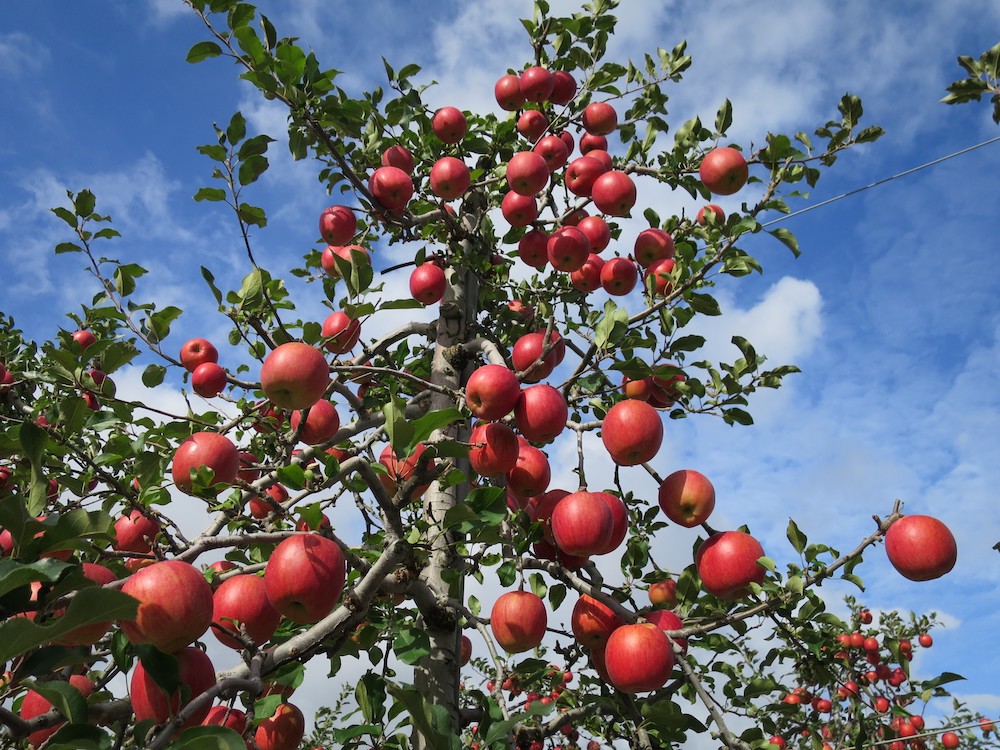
(881,182)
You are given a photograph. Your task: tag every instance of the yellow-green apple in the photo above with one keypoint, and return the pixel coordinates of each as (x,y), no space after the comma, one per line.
(727,564)
(531,473)
(391,187)
(582,524)
(540,413)
(341,332)
(568,249)
(208,449)
(449,125)
(337,225)
(304,577)
(507,91)
(532,123)
(537,84)
(587,277)
(663,593)
(321,425)
(208,379)
(590,142)
(175,605)
(563,88)
(687,497)
(632,432)
(652,245)
(723,170)
(494,449)
(240,605)
(618,276)
(196,352)
(427,283)
(581,174)
(492,391)
(295,375)
(711,209)
(356,255)
(613,192)
(449,178)
(638,658)
(597,231)
(599,118)
(519,210)
(398,156)
(553,149)
(666,620)
(531,248)
(283,730)
(593,622)
(527,173)
(135,533)
(34,705)
(921,548)
(518,621)
(658,277)
(149,701)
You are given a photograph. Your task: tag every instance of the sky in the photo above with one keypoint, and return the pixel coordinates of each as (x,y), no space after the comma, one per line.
(890,312)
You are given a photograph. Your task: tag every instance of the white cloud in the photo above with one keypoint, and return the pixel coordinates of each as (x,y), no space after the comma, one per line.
(21,53)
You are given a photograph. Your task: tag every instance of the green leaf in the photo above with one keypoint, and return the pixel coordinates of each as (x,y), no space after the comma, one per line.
(415,705)
(612,327)
(252,168)
(435,420)
(796,537)
(210,194)
(237,129)
(370,695)
(84,203)
(787,239)
(398,428)
(724,118)
(411,644)
(65,214)
(65,698)
(209,738)
(69,247)
(203,51)
(265,707)
(153,375)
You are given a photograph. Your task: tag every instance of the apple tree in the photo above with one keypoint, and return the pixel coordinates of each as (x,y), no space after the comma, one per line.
(378,494)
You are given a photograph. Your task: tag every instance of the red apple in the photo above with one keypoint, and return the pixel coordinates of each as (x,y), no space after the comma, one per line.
(652,245)
(531,248)
(208,380)
(540,509)
(175,605)
(337,225)
(449,178)
(723,170)
(34,705)
(466,650)
(527,173)
(531,474)
(519,210)
(196,352)
(532,124)
(581,174)
(597,231)
(240,603)
(632,432)
(593,622)
(638,658)
(613,192)
(149,701)
(658,277)
(666,620)
(619,521)
(508,92)
(921,548)
(590,142)
(541,413)
(135,533)
(322,423)
(587,278)
(727,564)
(687,497)
(518,621)
(537,84)
(712,209)
(209,449)
(582,524)
(304,577)
(498,453)
(427,283)
(449,125)
(492,391)
(663,592)
(563,88)
(399,471)
(84,339)
(553,149)
(618,276)
(355,255)
(391,187)
(566,137)
(341,332)
(599,118)
(226,716)
(295,375)
(527,351)
(568,249)
(398,156)
(283,730)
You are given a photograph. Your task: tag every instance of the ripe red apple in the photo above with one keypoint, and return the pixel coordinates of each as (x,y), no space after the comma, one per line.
(241,602)
(391,187)
(498,453)
(84,338)
(614,192)
(341,333)
(658,277)
(563,88)
(356,255)
(727,564)
(590,142)
(597,231)
(427,283)
(149,701)
(175,605)
(519,210)
(587,277)
(449,178)
(226,716)
(724,170)
(322,423)
(466,650)
(652,245)
(666,620)
(619,521)
(196,352)
(663,394)
(527,173)
(531,248)
(663,592)
(522,311)
(632,432)
(527,350)
(449,125)
(508,92)
(304,577)
(518,621)
(638,658)
(295,375)
(34,705)
(541,413)
(283,730)
(210,449)
(582,524)
(532,473)
(398,156)
(337,225)
(568,249)
(618,276)
(208,380)
(537,84)
(567,138)
(599,118)
(492,391)
(712,209)
(400,470)
(687,497)
(581,174)
(555,152)
(540,509)
(593,622)
(921,548)
(532,124)
(135,533)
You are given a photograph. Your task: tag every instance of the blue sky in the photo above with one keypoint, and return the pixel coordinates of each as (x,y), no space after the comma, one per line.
(891,312)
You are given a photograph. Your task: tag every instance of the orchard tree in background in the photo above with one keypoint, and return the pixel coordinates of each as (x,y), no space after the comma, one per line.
(557,323)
